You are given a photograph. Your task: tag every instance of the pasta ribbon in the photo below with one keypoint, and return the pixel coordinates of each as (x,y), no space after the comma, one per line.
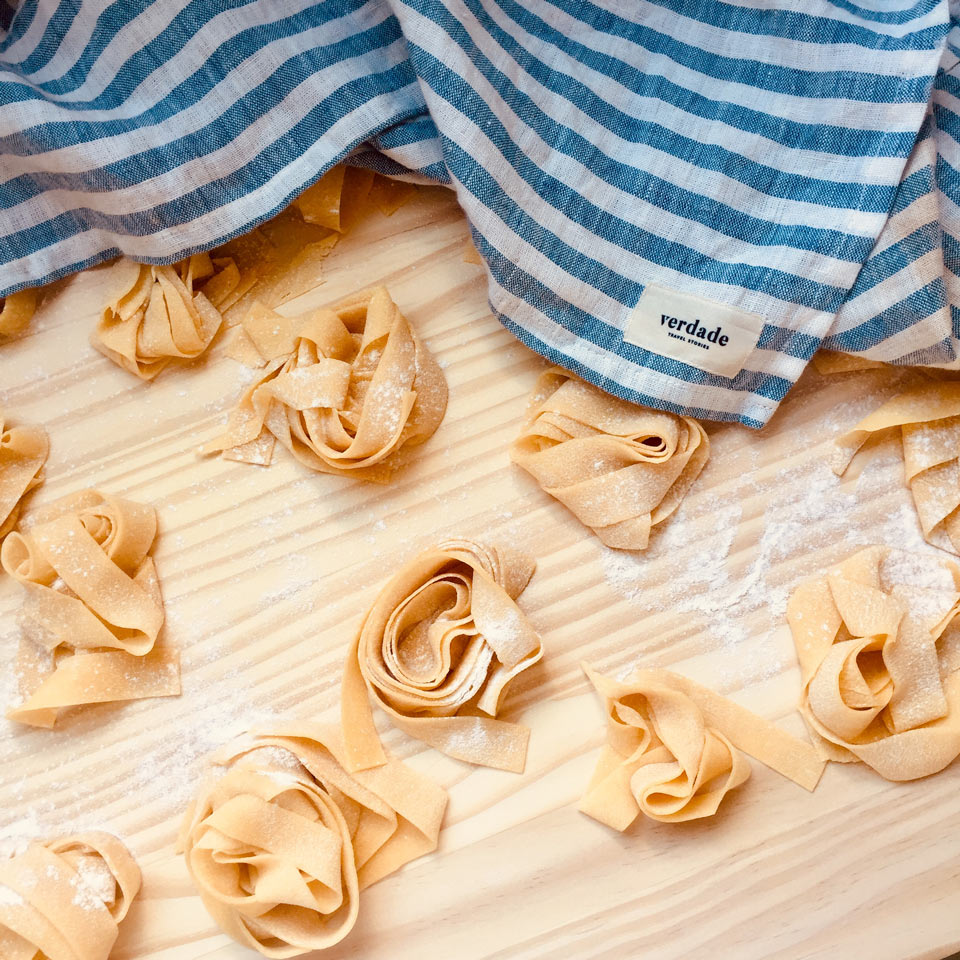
(23,452)
(281,845)
(436,652)
(928,416)
(621,469)
(344,389)
(93,610)
(64,899)
(878,642)
(673,750)
(156,314)
(16,311)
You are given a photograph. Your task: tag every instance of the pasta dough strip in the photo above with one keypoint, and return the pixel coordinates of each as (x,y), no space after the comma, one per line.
(928,416)
(672,750)
(878,662)
(93,610)
(621,469)
(64,899)
(156,314)
(281,845)
(16,311)
(23,452)
(343,389)
(436,652)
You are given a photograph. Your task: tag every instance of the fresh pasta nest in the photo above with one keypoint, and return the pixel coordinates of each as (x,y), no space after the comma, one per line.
(878,642)
(282,843)
(93,609)
(16,311)
(156,314)
(621,469)
(64,899)
(928,418)
(436,652)
(23,452)
(673,750)
(344,389)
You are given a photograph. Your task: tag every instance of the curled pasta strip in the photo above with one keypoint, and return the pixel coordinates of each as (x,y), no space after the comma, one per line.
(280,846)
(673,750)
(23,452)
(878,642)
(93,609)
(928,417)
(344,389)
(63,899)
(436,651)
(16,311)
(156,314)
(621,469)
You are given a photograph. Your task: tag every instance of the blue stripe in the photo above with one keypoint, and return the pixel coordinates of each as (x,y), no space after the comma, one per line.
(900,316)
(22,19)
(892,17)
(216,134)
(828,84)
(896,257)
(806,28)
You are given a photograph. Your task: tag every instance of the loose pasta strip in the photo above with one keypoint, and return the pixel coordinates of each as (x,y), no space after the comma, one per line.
(93,609)
(64,899)
(878,642)
(16,311)
(436,652)
(928,419)
(345,389)
(282,843)
(674,747)
(621,469)
(23,452)
(157,314)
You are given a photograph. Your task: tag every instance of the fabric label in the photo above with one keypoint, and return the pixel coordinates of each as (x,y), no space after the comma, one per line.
(703,333)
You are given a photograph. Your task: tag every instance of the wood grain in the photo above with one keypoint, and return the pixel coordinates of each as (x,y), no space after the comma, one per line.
(266,572)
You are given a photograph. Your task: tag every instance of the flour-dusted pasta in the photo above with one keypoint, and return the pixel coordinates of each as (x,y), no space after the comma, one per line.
(436,652)
(23,452)
(63,899)
(157,314)
(282,843)
(345,389)
(878,642)
(621,469)
(16,311)
(673,750)
(928,418)
(93,609)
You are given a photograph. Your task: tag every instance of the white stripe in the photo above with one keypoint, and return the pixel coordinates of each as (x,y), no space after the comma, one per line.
(674,170)
(209,227)
(197,171)
(664,224)
(780,51)
(869,116)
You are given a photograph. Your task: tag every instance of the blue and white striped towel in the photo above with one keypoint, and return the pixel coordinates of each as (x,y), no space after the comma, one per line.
(796,160)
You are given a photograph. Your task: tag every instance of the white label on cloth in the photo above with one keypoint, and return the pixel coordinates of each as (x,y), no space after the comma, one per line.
(703,333)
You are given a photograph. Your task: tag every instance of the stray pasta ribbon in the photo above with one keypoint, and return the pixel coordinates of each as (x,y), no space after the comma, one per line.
(928,416)
(619,468)
(878,642)
(23,452)
(16,311)
(156,314)
(281,845)
(344,389)
(673,750)
(64,899)
(93,609)
(436,652)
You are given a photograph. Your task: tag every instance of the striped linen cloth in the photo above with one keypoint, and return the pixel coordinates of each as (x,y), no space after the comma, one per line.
(795,162)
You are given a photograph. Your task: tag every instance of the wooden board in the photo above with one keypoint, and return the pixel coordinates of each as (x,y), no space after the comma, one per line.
(267,571)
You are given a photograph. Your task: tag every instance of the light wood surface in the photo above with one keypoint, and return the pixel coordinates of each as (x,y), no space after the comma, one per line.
(266,572)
